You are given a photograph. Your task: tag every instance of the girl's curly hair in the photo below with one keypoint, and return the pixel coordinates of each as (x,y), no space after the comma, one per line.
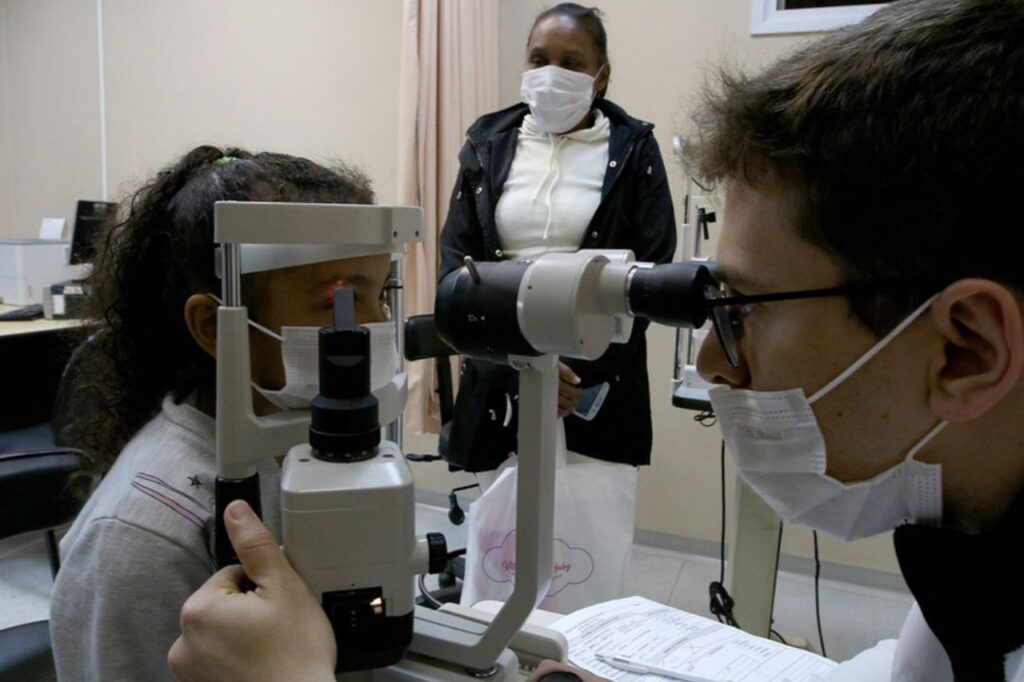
(146,267)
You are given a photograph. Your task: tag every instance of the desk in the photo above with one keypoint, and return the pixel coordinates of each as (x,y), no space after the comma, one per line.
(18,327)
(33,353)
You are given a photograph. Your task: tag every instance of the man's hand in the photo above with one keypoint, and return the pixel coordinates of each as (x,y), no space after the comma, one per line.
(568,389)
(275,631)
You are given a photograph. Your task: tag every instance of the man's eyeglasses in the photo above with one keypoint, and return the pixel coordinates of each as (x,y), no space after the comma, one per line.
(727,312)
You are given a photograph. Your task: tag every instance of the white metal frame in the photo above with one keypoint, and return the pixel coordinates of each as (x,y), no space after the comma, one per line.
(767,19)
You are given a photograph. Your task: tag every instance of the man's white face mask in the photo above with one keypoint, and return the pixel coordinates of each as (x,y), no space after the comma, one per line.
(299,354)
(779,451)
(558,98)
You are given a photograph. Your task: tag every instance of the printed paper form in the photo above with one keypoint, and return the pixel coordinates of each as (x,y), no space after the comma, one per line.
(653,633)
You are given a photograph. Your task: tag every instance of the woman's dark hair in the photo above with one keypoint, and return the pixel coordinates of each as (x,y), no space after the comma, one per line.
(147,266)
(899,140)
(589,19)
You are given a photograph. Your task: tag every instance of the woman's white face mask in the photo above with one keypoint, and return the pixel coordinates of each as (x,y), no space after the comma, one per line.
(779,450)
(558,98)
(300,357)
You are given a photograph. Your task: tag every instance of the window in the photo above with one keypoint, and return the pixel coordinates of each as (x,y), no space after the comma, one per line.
(803,16)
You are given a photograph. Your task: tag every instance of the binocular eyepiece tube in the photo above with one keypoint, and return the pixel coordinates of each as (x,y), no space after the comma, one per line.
(671,294)
(570,304)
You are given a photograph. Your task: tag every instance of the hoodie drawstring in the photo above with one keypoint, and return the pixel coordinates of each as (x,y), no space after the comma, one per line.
(554,172)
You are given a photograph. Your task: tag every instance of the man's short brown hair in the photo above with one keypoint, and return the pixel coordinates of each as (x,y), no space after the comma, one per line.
(902,138)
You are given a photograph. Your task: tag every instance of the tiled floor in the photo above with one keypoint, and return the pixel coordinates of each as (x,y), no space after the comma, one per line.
(853,617)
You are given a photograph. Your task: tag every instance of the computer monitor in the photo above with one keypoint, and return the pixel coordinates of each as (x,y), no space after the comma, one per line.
(91,217)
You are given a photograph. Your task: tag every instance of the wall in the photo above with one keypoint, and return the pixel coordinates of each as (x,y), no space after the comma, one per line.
(317,78)
(6,198)
(51,111)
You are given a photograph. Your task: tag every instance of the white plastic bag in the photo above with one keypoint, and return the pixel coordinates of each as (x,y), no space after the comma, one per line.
(593,531)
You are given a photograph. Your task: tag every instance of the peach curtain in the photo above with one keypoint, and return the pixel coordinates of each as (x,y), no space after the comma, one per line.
(449,77)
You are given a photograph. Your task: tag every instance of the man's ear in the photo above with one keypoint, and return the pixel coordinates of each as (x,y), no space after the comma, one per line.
(201,320)
(983,348)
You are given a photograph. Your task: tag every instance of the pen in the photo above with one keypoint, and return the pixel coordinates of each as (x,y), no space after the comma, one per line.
(629,665)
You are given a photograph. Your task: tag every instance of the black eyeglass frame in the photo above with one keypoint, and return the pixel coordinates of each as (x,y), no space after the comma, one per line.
(723,326)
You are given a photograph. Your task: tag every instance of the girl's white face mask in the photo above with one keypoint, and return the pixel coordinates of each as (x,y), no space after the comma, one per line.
(779,451)
(558,98)
(300,357)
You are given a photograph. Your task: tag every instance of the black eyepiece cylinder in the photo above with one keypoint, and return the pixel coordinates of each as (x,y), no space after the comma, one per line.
(671,294)
(344,422)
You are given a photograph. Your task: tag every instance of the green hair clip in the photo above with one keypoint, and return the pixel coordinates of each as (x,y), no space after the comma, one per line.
(224,160)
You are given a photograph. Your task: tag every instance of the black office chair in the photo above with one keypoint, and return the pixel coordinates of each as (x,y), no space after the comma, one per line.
(43,488)
(30,383)
(53,395)
(68,396)
(39,491)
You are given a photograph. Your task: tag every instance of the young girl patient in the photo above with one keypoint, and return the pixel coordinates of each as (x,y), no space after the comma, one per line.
(142,544)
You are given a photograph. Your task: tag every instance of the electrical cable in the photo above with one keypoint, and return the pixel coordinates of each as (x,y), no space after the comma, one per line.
(421,580)
(431,599)
(722,603)
(706,418)
(721,540)
(455,513)
(817,593)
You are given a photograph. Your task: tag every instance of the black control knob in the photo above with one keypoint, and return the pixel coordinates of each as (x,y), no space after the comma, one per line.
(437,551)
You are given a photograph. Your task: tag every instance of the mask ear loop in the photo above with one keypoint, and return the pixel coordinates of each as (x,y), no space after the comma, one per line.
(254,325)
(265,392)
(261,328)
(926,439)
(871,352)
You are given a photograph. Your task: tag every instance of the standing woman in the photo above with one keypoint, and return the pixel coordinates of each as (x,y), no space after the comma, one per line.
(565,170)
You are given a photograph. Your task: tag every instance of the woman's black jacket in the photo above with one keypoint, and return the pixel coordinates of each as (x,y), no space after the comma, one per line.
(635,212)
